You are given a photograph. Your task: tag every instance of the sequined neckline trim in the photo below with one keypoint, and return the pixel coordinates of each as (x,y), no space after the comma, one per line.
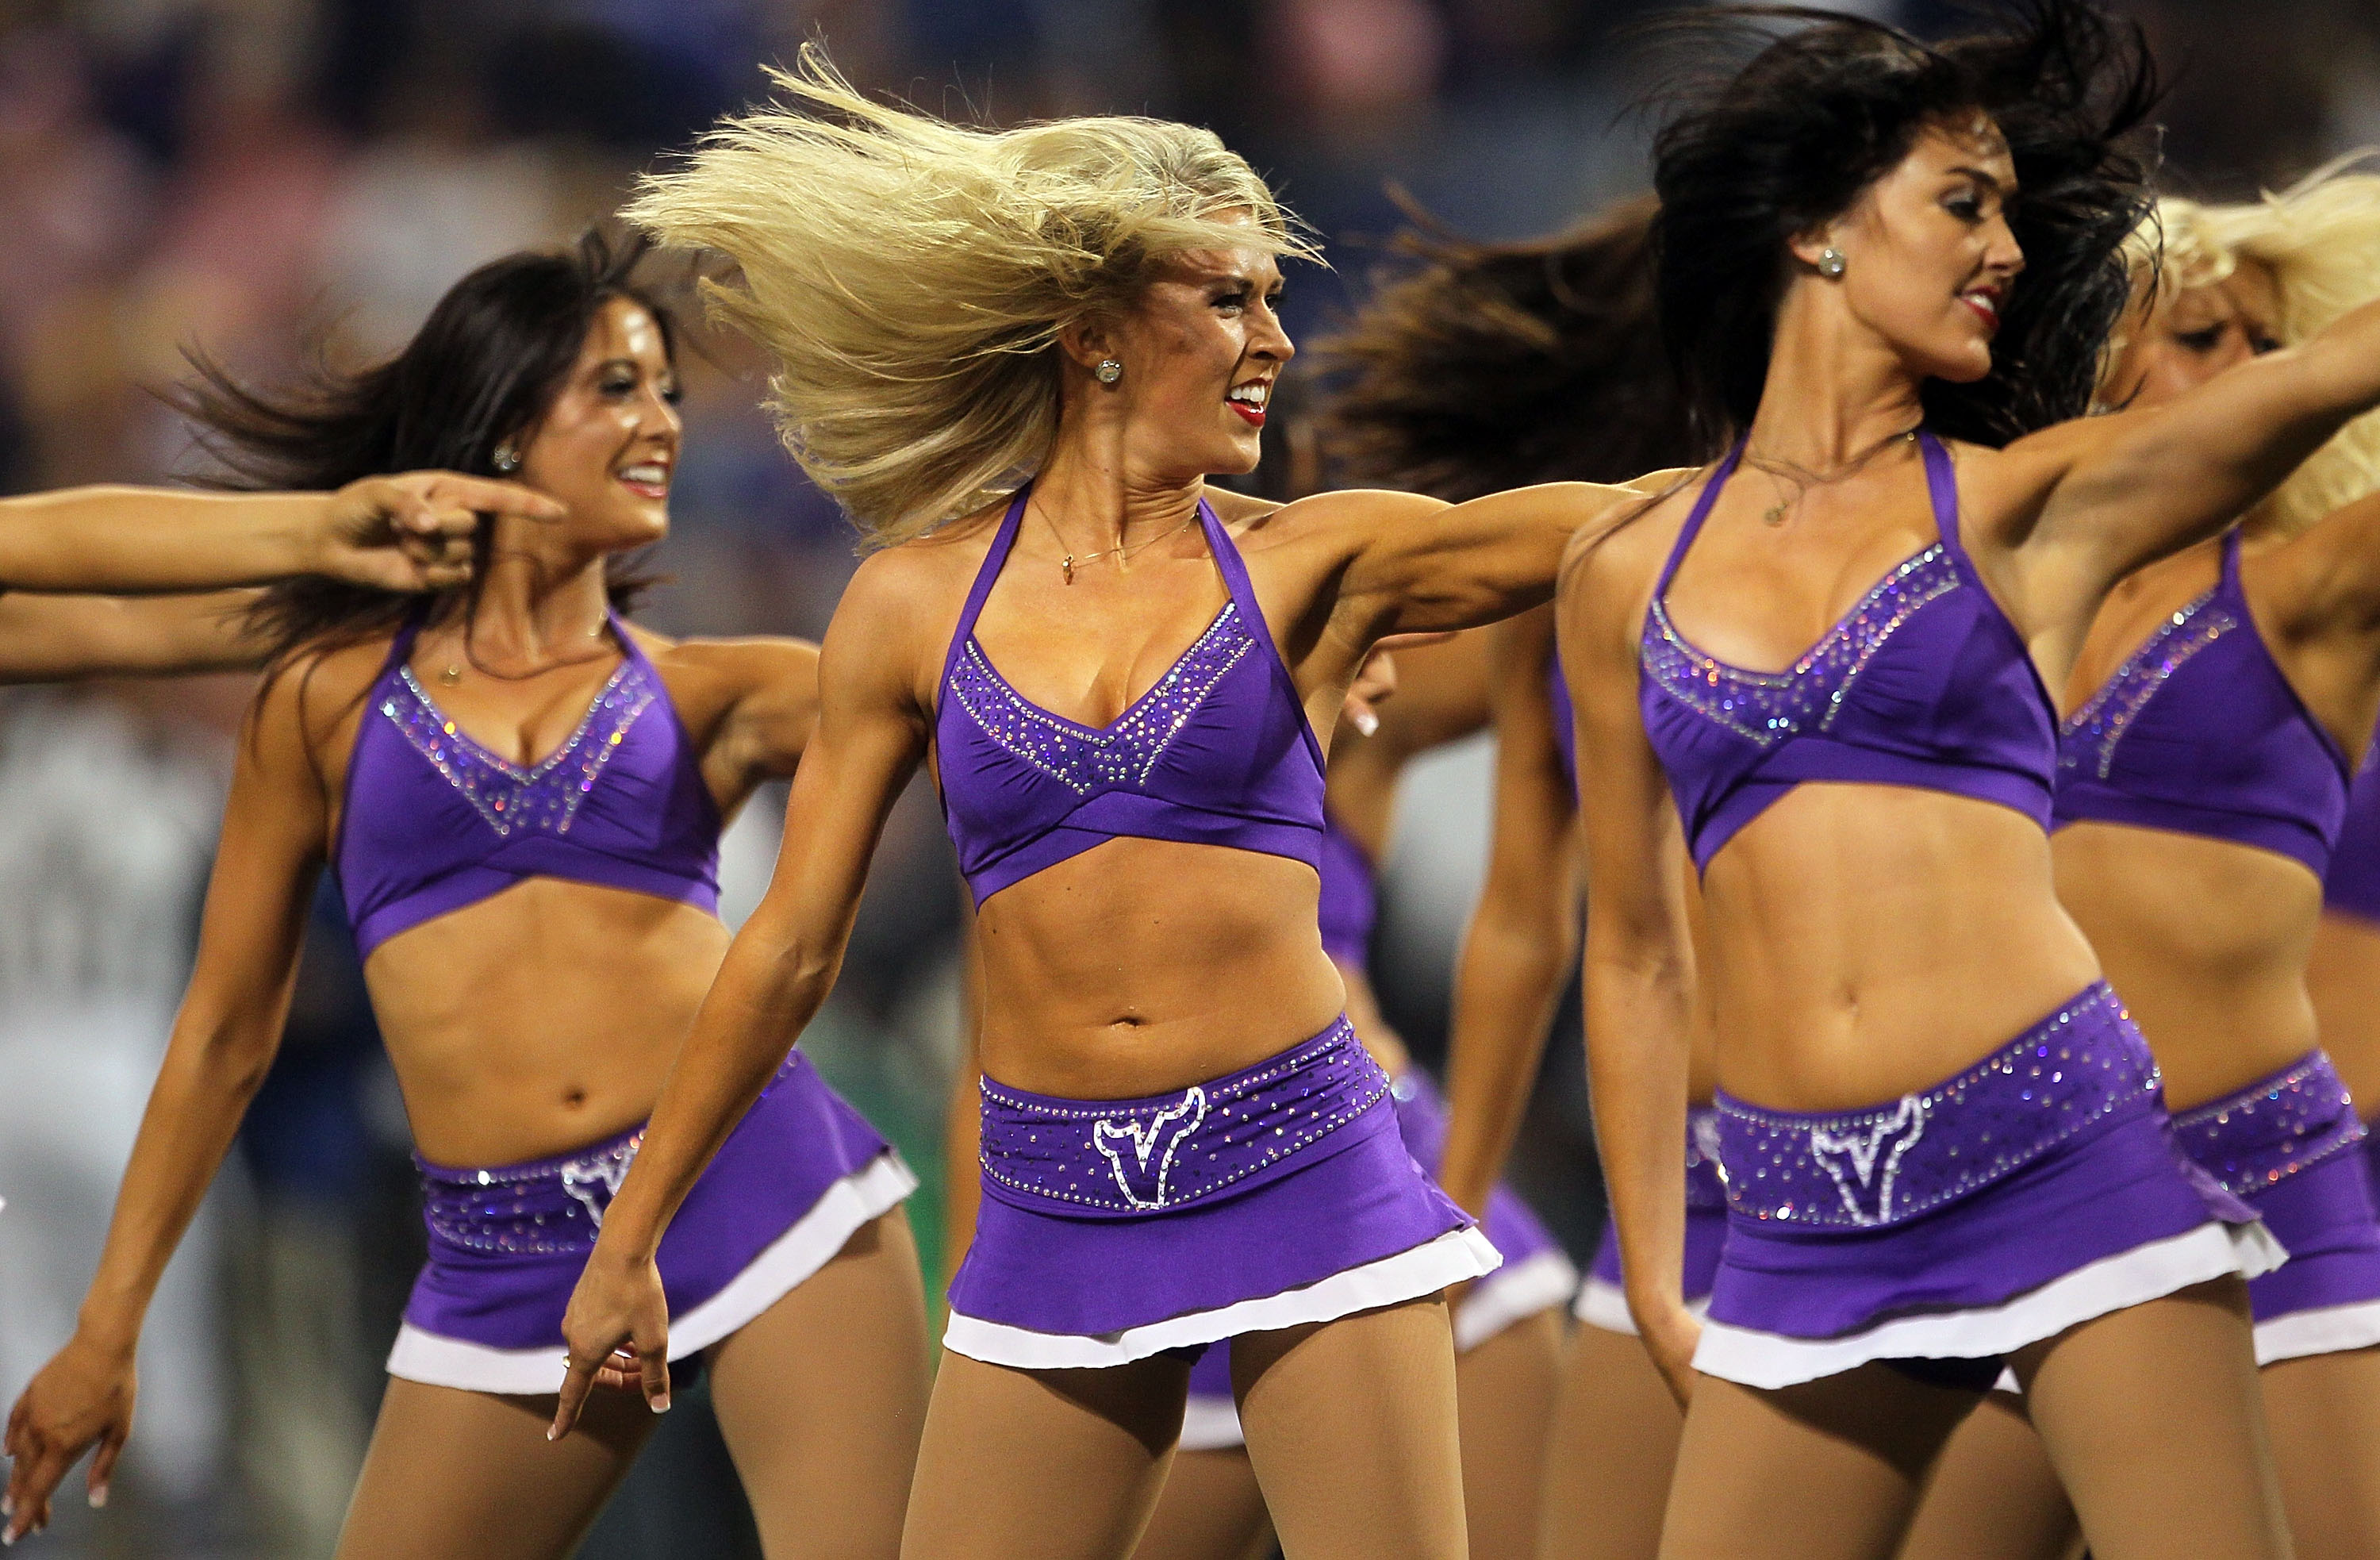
(2102,721)
(497,761)
(1125,751)
(506,796)
(1767,707)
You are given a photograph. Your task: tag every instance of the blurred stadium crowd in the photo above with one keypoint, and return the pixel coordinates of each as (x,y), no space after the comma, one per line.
(267,178)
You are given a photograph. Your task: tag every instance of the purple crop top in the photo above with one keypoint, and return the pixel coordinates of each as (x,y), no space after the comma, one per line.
(1350,898)
(433,821)
(1565,719)
(2198,732)
(2354,882)
(1218,753)
(1924,683)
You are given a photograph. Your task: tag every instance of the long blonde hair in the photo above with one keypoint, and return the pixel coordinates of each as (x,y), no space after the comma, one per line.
(2321,238)
(911,276)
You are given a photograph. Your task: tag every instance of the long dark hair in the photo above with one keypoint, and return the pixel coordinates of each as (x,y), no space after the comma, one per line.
(1787,143)
(1483,367)
(480,372)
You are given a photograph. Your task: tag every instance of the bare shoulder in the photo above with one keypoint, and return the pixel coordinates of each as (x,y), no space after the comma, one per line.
(1323,514)
(318,688)
(2009,485)
(1614,562)
(744,661)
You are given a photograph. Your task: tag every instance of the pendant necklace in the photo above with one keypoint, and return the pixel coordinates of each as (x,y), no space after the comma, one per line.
(1122,551)
(1803,479)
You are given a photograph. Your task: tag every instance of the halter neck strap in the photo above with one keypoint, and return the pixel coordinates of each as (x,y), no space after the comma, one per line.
(1942,487)
(995,558)
(1693,527)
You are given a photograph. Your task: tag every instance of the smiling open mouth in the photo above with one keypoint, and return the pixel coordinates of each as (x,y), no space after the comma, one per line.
(1249,399)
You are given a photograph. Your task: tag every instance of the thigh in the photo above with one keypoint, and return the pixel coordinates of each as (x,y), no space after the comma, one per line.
(1504,1403)
(1614,1444)
(1827,1470)
(1994,1495)
(1211,1510)
(2151,1416)
(1059,1465)
(452,1472)
(2325,1414)
(1351,1426)
(821,1399)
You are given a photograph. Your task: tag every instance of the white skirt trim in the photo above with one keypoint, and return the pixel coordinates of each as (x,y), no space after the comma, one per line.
(1211,1424)
(807,1245)
(1513,1293)
(2129,1278)
(2330,1329)
(1451,1258)
(1604,1305)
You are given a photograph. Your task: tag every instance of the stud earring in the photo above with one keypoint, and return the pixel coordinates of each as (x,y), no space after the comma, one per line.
(1109,371)
(1832,262)
(506,459)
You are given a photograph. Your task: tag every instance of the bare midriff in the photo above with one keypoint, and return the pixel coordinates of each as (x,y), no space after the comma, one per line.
(2206,942)
(1141,967)
(1865,942)
(2343,979)
(542,1019)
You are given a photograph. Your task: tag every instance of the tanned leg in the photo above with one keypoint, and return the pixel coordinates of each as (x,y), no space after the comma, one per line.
(1351,1426)
(1505,1399)
(453,1473)
(1994,1495)
(2151,1418)
(1211,1510)
(821,1399)
(1614,1444)
(1057,1465)
(2325,1415)
(1827,1470)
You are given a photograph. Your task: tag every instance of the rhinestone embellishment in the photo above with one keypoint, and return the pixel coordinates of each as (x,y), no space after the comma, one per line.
(506,796)
(2101,724)
(1768,707)
(2251,1140)
(1862,1169)
(1125,751)
(1142,1156)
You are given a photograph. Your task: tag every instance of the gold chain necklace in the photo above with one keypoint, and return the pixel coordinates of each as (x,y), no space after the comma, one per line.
(1122,549)
(452,673)
(1803,479)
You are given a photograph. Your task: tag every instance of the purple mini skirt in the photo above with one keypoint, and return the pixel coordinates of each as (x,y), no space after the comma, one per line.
(1537,1274)
(799,1175)
(1603,1299)
(1280,1195)
(2291,1146)
(2039,1189)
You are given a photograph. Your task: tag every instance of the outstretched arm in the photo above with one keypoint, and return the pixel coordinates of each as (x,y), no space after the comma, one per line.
(1523,933)
(406,532)
(223,1044)
(1639,962)
(1417,566)
(870,737)
(56,638)
(2125,490)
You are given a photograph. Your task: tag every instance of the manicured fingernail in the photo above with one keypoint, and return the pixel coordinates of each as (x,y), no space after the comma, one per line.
(99,1498)
(553,1432)
(661,1404)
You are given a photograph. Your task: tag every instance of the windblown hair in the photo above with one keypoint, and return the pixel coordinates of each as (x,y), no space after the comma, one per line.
(1793,140)
(1494,366)
(483,371)
(2321,238)
(911,276)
